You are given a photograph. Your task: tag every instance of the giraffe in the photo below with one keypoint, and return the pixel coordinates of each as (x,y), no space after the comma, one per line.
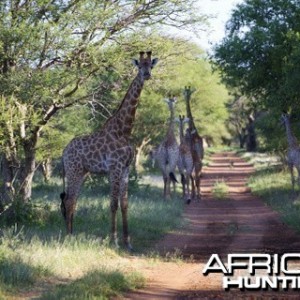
(196,145)
(167,153)
(293,153)
(106,151)
(185,161)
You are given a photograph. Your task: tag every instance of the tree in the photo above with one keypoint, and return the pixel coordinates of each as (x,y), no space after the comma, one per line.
(49,51)
(184,65)
(260,54)
(242,116)
(181,63)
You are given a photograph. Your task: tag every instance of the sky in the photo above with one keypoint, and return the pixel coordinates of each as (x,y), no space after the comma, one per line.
(221,12)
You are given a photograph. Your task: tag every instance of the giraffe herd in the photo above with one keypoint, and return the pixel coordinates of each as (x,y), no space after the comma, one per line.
(108,151)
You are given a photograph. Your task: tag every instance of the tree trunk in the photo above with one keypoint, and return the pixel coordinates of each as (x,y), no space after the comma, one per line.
(242,138)
(6,184)
(139,151)
(251,136)
(46,167)
(27,171)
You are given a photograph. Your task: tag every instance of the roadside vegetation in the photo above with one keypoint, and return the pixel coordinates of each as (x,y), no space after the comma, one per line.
(64,70)
(36,255)
(220,189)
(272,183)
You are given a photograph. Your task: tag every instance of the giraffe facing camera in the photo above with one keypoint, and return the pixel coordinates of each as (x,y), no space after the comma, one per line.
(167,152)
(106,151)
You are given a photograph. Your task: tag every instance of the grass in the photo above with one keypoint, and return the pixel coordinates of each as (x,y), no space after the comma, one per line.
(220,189)
(262,160)
(36,250)
(272,183)
(100,284)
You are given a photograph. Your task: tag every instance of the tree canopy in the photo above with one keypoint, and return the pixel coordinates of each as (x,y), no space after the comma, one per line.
(260,52)
(50,51)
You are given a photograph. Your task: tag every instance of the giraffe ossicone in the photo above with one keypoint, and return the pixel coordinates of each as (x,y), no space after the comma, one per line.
(106,151)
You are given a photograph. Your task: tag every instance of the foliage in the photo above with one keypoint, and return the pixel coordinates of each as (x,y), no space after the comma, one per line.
(273,185)
(14,274)
(220,189)
(183,64)
(100,284)
(259,56)
(49,52)
(240,108)
(18,212)
(41,252)
(259,59)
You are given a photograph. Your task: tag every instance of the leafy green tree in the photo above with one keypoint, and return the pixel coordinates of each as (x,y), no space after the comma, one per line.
(49,51)
(260,55)
(181,63)
(184,64)
(260,50)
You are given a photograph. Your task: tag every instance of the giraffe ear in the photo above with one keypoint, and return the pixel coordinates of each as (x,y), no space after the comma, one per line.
(177,120)
(154,62)
(186,120)
(135,62)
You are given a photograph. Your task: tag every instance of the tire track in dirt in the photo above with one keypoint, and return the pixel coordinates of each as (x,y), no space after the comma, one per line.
(241,223)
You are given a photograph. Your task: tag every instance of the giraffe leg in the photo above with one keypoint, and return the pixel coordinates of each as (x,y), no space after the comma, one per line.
(198,187)
(174,186)
(198,168)
(168,187)
(193,196)
(124,209)
(68,200)
(197,179)
(188,199)
(115,182)
(165,178)
(292,176)
(183,182)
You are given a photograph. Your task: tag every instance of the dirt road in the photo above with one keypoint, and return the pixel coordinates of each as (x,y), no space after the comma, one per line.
(241,223)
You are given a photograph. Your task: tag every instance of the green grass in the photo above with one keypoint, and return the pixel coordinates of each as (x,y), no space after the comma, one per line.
(100,284)
(272,182)
(261,160)
(220,189)
(273,185)
(35,250)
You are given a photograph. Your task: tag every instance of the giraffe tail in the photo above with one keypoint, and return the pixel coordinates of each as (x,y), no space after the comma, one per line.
(63,194)
(172,177)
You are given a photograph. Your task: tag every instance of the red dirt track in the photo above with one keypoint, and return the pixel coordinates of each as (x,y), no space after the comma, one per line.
(241,223)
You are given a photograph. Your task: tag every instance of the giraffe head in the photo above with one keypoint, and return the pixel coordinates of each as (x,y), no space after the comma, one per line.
(187,92)
(182,119)
(145,64)
(284,118)
(171,102)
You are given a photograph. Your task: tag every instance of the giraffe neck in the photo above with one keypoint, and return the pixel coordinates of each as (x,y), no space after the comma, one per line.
(181,134)
(189,115)
(290,137)
(171,124)
(121,123)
